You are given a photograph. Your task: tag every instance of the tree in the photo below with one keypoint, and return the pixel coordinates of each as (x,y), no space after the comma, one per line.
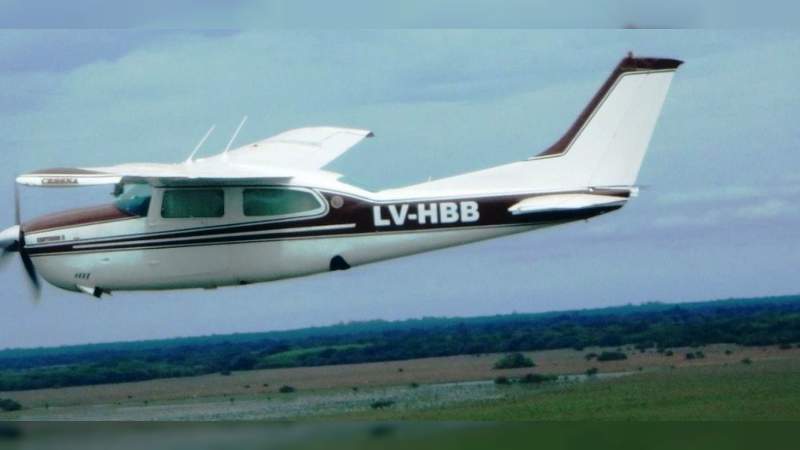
(537,378)
(502,380)
(242,362)
(380,404)
(7,404)
(612,356)
(513,361)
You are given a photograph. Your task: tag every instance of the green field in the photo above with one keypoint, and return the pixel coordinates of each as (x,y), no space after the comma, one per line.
(648,385)
(649,362)
(769,390)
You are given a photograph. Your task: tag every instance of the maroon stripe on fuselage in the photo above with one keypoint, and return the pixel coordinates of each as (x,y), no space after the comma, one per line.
(76,217)
(493,211)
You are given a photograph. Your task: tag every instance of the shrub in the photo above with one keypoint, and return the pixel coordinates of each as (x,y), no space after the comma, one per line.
(502,381)
(286,389)
(669,353)
(513,361)
(592,371)
(643,346)
(612,356)
(225,373)
(747,361)
(785,346)
(590,356)
(380,404)
(728,352)
(414,385)
(696,355)
(7,404)
(537,378)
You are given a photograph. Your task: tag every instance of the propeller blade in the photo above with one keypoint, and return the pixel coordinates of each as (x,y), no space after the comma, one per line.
(12,239)
(16,204)
(33,278)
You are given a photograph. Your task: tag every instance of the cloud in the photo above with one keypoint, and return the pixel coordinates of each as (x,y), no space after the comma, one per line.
(711,194)
(704,219)
(764,210)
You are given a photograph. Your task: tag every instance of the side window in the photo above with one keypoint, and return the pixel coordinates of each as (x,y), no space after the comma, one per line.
(279,202)
(190,203)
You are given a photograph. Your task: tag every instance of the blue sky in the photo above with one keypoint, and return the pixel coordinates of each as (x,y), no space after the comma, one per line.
(717,215)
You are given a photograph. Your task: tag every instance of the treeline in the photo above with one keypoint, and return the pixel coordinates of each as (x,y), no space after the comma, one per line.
(745,321)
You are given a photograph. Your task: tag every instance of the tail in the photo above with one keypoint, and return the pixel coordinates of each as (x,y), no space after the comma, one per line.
(604,147)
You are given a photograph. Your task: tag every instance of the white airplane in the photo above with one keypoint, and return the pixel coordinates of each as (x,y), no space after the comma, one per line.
(267,211)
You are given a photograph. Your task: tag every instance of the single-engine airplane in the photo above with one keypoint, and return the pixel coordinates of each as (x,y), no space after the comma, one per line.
(267,210)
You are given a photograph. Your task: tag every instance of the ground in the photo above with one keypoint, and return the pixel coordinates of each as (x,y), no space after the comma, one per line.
(648,386)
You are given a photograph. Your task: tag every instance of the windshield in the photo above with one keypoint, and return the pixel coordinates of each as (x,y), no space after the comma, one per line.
(134,200)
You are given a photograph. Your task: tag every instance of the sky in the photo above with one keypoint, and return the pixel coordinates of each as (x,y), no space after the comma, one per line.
(716,217)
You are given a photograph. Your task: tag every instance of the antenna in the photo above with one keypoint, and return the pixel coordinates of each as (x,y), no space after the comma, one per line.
(235,133)
(200,144)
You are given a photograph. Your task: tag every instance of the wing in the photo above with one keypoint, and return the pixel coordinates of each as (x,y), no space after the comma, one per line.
(302,149)
(197,172)
(276,159)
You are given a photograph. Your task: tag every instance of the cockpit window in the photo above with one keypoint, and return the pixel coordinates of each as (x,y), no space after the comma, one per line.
(279,202)
(134,199)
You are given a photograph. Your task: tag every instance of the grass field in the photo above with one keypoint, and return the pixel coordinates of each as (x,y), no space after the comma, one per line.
(769,390)
(647,386)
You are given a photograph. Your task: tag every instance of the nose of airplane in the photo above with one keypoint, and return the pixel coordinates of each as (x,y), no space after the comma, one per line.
(9,239)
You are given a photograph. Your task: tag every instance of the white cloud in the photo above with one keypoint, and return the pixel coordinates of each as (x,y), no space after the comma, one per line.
(710,194)
(763,210)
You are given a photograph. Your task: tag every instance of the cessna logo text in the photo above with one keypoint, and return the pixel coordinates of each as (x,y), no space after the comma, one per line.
(59,180)
(425,213)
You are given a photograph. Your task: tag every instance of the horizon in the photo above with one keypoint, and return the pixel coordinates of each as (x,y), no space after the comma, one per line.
(411,319)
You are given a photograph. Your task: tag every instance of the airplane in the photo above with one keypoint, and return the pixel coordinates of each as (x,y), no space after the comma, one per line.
(269,211)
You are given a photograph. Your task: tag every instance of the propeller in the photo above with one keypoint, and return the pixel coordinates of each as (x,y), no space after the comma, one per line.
(12,239)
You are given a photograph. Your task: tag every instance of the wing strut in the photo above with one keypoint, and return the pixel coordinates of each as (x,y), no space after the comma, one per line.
(235,133)
(200,144)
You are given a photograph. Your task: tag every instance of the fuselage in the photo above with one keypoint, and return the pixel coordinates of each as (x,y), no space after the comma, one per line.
(205,237)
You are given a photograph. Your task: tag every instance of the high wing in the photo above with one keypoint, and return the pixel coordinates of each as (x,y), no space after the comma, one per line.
(301,149)
(278,158)
(195,172)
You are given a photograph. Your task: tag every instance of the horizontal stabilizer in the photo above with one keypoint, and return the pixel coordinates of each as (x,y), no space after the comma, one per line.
(565,202)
